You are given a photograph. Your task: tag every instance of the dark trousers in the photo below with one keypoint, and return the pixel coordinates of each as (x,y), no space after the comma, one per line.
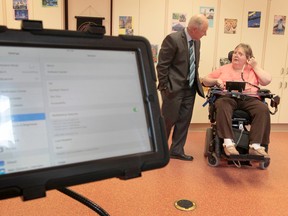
(260,125)
(177,109)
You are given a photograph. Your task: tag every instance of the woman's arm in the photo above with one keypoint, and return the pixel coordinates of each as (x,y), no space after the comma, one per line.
(264,77)
(212,82)
(212,79)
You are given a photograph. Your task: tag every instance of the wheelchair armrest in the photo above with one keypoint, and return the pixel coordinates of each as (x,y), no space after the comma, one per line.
(215,88)
(264,91)
(275,101)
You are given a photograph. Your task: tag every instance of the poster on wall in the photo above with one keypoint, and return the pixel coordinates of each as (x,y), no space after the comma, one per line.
(254,18)
(20,9)
(21,14)
(49,3)
(209,13)
(178,22)
(154,49)
(230,26)
(125,25)
(20,4)
(279,25)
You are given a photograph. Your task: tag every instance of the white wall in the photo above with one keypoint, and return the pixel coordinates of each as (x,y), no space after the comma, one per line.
(152,19)
(52,17)
(2,15)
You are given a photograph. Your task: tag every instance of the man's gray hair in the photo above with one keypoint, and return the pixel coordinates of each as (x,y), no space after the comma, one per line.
(197,21)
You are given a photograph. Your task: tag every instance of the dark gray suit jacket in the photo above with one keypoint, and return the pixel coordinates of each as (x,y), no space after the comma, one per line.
(173,63)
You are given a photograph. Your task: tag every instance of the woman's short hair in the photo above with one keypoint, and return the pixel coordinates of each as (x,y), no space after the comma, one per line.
(247,50)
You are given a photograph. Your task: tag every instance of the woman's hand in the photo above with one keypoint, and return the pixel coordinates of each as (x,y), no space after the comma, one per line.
(252,61)
(219,83)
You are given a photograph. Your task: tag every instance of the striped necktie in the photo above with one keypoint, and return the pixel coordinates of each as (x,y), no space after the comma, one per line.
(191,75)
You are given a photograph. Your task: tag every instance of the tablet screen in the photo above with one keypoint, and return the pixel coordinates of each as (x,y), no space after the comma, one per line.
(64,106)
(235,86)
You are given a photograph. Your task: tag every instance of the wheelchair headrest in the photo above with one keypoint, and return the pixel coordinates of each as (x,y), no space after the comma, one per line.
(230,54)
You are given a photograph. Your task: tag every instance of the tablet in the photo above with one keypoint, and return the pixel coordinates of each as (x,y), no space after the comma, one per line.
(75,108)
(235,86)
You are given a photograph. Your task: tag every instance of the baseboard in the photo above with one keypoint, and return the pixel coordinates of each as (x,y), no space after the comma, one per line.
(279,127)
(199,126)
(203,126)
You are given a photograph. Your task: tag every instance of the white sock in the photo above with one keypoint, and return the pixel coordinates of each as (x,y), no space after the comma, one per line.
(228,142)
(256,145)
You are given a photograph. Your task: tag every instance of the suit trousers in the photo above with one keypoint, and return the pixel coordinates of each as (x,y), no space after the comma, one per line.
(177,109)
(258,110)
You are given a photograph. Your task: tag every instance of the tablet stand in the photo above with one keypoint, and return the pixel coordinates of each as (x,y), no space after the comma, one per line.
(84,201)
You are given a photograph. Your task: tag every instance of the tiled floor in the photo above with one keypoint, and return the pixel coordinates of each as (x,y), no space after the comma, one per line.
(224,190)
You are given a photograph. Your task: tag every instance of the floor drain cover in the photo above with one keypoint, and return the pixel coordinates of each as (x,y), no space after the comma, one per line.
(185,205)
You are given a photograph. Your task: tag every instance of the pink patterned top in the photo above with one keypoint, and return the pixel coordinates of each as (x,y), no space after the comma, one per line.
(226,73)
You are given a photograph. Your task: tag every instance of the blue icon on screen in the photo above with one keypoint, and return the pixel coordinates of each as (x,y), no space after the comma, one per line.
(2,171)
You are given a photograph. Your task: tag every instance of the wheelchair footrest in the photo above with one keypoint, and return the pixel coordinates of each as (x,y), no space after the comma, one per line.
(243,157)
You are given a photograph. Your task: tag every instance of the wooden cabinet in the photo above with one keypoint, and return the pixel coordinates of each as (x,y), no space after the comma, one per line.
(276,58)
(283,115)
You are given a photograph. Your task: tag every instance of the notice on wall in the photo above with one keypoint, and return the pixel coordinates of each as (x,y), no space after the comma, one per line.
(49,3)
(209,13)
(125,25)
(154,48)
(230,26)
(279,25)
(20,9)
(178,21)
(254,18)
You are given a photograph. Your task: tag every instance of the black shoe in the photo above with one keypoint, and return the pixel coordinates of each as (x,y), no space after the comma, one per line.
(181,157)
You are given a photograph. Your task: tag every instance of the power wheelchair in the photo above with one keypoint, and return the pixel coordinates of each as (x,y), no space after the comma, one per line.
(240,122)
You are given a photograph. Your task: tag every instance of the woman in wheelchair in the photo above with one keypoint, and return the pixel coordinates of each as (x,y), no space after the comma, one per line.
(243,68)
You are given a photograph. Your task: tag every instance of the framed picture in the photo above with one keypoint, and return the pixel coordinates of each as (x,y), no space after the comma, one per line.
(49,3)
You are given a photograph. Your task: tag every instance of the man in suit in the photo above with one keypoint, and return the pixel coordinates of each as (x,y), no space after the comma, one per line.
(173,75)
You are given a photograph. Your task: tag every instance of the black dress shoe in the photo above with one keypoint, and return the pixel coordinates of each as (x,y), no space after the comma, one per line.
(181,157)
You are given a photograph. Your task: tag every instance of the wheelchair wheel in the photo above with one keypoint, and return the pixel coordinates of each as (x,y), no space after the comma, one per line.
(208,140)
(264,164)
(213,160)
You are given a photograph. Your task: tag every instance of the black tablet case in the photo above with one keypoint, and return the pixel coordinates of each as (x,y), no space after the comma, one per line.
(34,184)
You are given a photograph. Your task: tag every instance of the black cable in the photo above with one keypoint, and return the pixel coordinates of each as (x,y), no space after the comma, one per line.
(246,81)
(84,201)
